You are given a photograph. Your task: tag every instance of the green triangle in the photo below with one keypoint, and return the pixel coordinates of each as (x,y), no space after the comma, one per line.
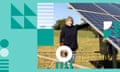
(15,24)
(28,11)
(32,19)
(28,24)
(15,11)
(19,19)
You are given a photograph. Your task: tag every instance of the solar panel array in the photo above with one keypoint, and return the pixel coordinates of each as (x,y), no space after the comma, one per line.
(87,6)
(110,8)
(97,13)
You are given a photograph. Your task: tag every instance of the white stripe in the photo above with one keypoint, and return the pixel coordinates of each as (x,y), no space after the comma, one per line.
(45,14)
(45,3)
(45,17)
(48,10)
(49,17)
(45,20)
(45,7)
(45,24)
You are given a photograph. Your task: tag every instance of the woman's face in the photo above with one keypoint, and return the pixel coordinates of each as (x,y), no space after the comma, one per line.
(69,22)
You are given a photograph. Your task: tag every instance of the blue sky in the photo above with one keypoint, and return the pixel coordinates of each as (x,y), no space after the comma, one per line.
(62,11)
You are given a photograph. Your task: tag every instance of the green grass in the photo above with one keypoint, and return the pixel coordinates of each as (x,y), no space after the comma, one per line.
(87,42)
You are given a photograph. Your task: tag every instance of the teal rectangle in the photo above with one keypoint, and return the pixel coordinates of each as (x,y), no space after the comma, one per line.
(4,63)
(4,71)
(45,37)
(4,67)
(4,60)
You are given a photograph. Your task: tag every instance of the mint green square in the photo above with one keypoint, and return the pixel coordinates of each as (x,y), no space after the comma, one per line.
(45,37)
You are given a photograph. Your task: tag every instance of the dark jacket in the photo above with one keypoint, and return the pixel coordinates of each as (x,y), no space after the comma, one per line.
(69,36)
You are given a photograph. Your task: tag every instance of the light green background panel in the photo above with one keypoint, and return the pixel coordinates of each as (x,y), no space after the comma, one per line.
(23,56)
(4,22)
(24,53)
(22,42)
(3,32)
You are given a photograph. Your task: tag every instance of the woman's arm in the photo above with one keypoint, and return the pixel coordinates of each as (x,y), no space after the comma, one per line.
(78,27)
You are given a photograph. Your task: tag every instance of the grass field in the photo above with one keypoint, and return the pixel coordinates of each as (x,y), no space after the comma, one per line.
(88,45)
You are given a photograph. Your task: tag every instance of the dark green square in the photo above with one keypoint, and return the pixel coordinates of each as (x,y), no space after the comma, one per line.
(45,37)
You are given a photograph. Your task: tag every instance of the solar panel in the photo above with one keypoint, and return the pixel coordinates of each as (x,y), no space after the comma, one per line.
(113,10)
(117,5)
(87,7)
(96,20)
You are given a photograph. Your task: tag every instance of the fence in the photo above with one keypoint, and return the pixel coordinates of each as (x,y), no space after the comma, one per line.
(84,59)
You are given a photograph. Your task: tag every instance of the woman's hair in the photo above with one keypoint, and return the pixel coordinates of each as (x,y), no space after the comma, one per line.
(69,17)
